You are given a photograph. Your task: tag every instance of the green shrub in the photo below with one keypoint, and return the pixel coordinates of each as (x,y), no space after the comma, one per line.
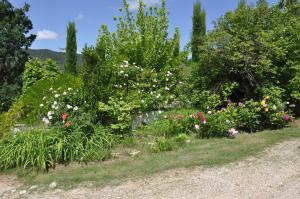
(248,117)
(181,138)
(43,149)
(163,144)
(27,108)
(36,70)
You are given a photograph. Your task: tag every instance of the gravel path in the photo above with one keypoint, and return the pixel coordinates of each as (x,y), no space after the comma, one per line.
(273,174)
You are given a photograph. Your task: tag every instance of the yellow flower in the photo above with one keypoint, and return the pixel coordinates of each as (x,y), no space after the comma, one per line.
(266,109)
(268,97)
(263,103)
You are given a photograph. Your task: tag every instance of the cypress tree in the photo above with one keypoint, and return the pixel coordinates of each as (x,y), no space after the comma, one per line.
(71,49)
(199,30)
(176,43)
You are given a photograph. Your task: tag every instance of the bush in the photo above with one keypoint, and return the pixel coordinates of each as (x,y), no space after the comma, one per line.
(248,117)
(36,70)
(163,144)
(27,108)
(43,149)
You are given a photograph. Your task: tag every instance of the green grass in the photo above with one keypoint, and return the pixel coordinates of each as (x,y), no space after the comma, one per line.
(206,153)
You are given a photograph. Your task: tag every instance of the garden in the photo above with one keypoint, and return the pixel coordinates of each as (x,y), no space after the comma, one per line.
(137,88)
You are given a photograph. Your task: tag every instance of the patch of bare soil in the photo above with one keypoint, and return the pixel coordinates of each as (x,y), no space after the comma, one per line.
(273,174)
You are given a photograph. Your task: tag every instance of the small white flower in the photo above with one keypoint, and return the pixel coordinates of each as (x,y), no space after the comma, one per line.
(142,69)
(197,127)
(142,101)
(227,121)
(65,93)
(274,107)
(56,95)
(69,106)
(46,121)
(167,89)
(167,79)
(75,108)
(121,72)
(55,103)
(53,106)
(50,117)
(180,82)
(292,105)
(69,89)
(126,75)
(41,105)
(287,103)
(50,113)
(44,98)
(209,112)
(56,107)
(51,89)
(166,102)
(159,112)
(158,96)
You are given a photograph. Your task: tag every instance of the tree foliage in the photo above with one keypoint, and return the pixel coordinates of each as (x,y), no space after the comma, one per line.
(71,49)
(254,47)
(14,39)
(140,39)
(35,70)
(199,30)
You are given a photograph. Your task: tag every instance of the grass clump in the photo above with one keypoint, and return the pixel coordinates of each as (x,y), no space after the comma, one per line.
(43,149)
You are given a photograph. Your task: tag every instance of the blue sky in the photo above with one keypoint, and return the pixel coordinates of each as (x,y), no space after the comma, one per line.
(50,18)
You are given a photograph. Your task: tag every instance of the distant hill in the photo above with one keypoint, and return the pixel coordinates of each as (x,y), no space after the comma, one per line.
(59,57)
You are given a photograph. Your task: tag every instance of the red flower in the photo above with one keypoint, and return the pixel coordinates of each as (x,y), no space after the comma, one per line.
(67,124)
(200,115)
(286,117)
(64,116)
(180,117)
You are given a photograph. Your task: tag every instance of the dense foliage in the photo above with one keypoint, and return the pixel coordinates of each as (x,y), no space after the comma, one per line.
(252,48)
(35,70)
(14,38)
(138,64)
(27,109)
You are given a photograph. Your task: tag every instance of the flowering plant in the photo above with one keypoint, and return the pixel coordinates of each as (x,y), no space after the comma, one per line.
(62,108)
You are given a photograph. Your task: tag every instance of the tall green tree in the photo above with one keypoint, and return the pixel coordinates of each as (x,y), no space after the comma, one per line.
(199,30)
(14,40)
(71,49)
(176,43)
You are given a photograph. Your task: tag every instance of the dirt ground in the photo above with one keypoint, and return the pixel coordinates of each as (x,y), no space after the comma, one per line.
(273,174)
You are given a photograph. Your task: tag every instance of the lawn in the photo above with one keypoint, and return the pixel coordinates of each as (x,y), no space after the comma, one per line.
(204,153)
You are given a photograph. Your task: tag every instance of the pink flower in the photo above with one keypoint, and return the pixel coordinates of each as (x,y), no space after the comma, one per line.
(197,127)
(229,101)
(232,133)
(200,115)
(180,116)
(286,117)
(203,120)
